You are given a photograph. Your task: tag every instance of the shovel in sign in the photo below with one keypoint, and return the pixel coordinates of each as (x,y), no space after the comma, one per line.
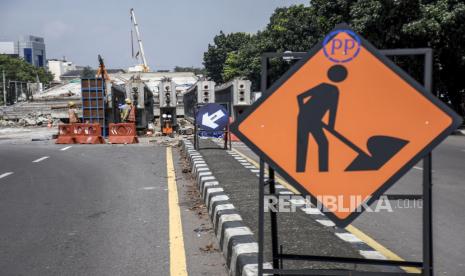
(381,149)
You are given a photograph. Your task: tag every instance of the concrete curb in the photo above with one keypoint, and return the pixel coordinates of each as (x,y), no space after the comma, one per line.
(236,240)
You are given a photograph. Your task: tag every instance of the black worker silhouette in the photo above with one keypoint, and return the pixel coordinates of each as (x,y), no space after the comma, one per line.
(313,106)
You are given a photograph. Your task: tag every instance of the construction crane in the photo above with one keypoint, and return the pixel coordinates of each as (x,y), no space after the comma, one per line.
(145,67)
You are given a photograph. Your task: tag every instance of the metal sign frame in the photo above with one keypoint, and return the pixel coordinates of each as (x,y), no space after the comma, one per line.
(278,256)
(197,130)
(456,120)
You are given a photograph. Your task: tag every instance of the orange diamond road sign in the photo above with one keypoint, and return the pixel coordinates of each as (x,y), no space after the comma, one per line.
(344,124)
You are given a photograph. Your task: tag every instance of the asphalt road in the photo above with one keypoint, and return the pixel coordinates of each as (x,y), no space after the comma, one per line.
(400,230)
(93,210)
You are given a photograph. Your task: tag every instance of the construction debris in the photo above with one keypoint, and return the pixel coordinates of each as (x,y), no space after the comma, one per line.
(209,248)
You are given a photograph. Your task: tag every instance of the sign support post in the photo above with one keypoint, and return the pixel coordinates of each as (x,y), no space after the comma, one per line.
(278,256)
(196,139)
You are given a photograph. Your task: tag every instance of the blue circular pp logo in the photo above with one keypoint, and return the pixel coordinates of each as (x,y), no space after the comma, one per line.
(341,46)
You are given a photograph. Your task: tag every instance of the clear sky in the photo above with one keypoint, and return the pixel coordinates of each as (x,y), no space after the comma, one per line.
(174,32)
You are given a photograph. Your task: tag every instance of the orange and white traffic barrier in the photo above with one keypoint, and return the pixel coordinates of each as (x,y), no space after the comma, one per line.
(122,133)
(88,133)
(65,134)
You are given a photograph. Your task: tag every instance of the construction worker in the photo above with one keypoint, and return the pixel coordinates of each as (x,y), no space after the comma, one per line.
(128,114)
(313,105)
(72,113)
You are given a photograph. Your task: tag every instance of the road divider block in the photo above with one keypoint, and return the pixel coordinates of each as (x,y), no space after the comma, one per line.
(122,133)
(65,134)
(88,133)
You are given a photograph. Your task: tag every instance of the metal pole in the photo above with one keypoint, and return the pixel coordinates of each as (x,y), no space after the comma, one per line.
(225,133)
(261,182)
(263,81)
(195,129)
(274,220)
(428,183)
(16,90)
(229,138)
(261,220)
(4,89)
(271,178)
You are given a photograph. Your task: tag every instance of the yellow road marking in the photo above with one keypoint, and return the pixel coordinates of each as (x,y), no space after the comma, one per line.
(380,248)
(350,228)
(177,251)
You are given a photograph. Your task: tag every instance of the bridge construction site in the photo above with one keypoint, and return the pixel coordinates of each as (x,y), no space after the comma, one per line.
(312,147)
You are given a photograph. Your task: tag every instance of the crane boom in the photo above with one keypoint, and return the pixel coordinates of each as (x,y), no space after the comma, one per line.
(139,40)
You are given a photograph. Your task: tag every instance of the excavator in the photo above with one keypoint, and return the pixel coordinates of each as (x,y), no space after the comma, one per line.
(102,72)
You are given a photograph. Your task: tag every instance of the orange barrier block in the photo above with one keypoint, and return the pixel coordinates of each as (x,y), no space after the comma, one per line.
(65,134)
(88,134)
(122,133)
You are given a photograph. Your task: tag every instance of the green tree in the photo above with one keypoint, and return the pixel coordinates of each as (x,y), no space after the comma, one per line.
(439,24)
(216,55)
(246,61)
(88,73)
(19,70)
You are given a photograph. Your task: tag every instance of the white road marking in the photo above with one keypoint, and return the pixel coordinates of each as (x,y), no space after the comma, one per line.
(420,169)
(312,211)
(5,174)
(370,254)
(148,188)
(348,237)
(65,148)
(326,222)
(40,159)
(297,201)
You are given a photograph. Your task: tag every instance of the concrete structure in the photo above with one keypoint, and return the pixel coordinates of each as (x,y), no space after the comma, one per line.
(76,73)
(182,80)
(8,48)
(59,67)
(30,48)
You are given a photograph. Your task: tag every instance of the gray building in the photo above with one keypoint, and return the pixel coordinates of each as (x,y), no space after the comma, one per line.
(30,48)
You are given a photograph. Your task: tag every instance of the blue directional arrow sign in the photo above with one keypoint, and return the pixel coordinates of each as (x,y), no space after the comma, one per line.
(212,117)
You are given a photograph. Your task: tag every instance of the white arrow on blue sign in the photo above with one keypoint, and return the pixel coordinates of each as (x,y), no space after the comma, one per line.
(212,117)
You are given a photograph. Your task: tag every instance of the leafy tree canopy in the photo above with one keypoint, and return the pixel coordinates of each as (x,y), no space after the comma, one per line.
(439,24)
(88,73)
(217,53)
(19,70)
